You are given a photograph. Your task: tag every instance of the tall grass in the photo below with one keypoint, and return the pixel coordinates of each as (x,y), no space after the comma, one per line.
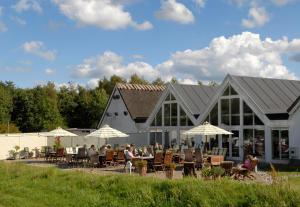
(22,185)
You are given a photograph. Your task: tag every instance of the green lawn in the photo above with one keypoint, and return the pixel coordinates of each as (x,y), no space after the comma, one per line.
(23,185)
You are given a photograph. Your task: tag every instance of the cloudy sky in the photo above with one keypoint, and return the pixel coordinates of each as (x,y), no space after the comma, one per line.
(83,40)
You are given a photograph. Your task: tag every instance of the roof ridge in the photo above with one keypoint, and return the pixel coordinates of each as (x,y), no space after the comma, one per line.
(141,87)
(244,76)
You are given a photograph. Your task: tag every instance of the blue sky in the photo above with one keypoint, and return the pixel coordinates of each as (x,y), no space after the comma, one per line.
(82,41)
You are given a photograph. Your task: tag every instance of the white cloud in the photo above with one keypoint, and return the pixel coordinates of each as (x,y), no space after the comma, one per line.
(257,17)
(243,54)
(106,14)
(93,83)
(25,5)
(200,3)
(49,71)
(281,2)
(18,20)
(174,11)
(109,63)
(38,48)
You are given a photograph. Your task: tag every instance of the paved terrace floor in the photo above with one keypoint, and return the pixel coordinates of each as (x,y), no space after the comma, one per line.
(261,176)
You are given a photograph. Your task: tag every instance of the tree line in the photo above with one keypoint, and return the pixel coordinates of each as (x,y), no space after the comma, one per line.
(45,107)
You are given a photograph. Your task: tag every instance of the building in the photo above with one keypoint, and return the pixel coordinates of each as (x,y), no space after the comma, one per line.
(128,109)
(263,115)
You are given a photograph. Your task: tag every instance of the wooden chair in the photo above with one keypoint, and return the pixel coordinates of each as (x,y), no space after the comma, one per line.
(241,173)
(199,159)
(60,153)
(158,158)
(188,155)
(121,157)
(216,160)
(109,157)
(168,158)
(227,166)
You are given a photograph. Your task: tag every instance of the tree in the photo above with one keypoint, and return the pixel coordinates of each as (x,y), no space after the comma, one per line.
(6,98)
(135,79)
(108,85)
(158,81)
(36,109)
(200,83)
(173,80)
(212,83)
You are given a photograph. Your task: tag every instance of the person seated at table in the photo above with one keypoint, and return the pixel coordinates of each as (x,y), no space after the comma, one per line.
(129,154)
(145,152)
(103,150)
(92,151)
(156,147)
(247,162)
(134,150)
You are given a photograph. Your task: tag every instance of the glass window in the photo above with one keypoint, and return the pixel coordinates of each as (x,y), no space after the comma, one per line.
(250,117)
(174,114)
(159,118)
(257,121)
(275,144)
(214,115)
(226,92)
(259,143)
(248,141)
(172,97)
(280,144)
(225,111)
(190,123)
(168,98)
(284,144)
(183,118)
(225,143)
(153,122)
(232,91)
(235,144)
(167,113)
(235,111)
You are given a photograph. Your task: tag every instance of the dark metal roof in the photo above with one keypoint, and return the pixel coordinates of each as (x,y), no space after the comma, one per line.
(196,97)
(273,96)
(140,100)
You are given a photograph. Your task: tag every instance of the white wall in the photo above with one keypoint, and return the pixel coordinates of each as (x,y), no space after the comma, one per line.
(120,122)
(30,140)
(294,131)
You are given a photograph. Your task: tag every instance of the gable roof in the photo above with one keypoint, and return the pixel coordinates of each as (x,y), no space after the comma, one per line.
(196,97)
(274,96)
(139,99)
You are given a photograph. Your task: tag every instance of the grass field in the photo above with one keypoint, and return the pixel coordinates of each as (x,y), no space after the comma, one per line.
(23,185)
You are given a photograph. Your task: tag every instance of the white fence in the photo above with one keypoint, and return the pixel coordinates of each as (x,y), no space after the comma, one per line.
(30,140)
(35,140)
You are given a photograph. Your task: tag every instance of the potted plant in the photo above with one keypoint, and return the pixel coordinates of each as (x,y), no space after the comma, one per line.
(206,173)
(142,167)
(217,172)
(169,169)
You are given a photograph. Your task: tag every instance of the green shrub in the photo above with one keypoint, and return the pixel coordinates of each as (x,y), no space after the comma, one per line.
(217,171)
(206,172)
(141,163)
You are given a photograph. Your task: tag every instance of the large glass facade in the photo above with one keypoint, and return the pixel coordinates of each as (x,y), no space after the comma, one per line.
(230,111)
(169,114)
(280,144)
(155,137)
(254,142)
